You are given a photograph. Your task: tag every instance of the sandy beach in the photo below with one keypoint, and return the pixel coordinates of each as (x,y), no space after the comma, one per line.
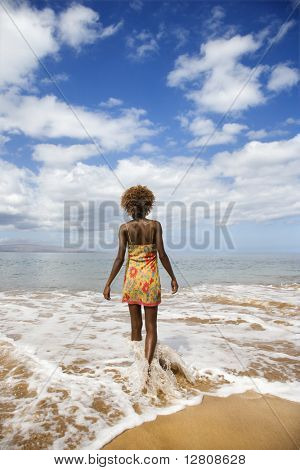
(240,421)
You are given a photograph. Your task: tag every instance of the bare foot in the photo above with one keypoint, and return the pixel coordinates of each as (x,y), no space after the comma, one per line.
(146,384)
(148,375)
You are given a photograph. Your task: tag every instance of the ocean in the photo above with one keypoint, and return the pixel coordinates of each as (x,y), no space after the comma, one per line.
(70,375)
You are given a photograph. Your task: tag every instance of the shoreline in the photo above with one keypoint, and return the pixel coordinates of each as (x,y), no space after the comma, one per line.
(241,421)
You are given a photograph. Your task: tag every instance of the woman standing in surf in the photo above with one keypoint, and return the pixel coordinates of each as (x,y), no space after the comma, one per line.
(141,286)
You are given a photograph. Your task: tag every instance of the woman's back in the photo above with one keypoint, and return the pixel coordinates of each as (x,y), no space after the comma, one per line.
(141,281)
(141,231)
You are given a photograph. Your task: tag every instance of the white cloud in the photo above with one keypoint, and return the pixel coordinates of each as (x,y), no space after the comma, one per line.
(218,12)
(3,140)
(31,34)
(264,178)
(111,102)
(170,142)
(205,131)
(222,76)
(283,77)
(292,121)
(17,191)
(80,25)
(262,133)
(144,44)
(181,35)
(261,178)
(63,156)
(260,159)
(111,30)
(59,77)
(214,53)
(282,31)
(147,147)
(25,29)
(213,23)
(258,134)
(48,117)
(136,5)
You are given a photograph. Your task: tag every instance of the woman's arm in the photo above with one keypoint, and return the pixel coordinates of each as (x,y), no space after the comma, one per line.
(118,263)
(164,257)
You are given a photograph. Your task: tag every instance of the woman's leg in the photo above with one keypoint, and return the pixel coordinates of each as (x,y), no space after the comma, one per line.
(151,330)
(136,321)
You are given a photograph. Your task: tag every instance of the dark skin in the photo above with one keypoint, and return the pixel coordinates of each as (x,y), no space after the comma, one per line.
(135,309)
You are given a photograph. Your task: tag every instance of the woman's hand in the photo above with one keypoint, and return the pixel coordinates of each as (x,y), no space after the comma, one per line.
(106,293)
(174,286)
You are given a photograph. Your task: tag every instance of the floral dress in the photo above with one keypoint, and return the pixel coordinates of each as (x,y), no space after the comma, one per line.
(141,281)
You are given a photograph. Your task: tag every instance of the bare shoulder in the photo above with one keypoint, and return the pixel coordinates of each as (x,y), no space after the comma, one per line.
(123,227)
(157,224)
(154,222)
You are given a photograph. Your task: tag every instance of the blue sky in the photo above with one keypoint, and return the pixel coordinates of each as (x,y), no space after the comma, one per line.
(99,96)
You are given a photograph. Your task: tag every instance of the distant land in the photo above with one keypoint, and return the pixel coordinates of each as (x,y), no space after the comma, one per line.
(37,248)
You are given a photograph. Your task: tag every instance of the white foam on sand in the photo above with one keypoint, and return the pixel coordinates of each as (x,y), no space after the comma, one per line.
(72,376)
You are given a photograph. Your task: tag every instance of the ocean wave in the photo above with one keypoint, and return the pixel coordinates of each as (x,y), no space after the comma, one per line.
(72,378)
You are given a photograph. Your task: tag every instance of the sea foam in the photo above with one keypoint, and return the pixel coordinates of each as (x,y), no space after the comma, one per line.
(72,377)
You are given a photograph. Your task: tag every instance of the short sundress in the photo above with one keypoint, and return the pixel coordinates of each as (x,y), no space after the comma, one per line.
(141,280)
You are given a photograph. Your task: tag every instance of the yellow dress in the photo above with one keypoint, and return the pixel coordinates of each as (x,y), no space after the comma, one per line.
(141,280)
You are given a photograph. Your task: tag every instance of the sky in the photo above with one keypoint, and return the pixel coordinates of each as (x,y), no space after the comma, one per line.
(197,100)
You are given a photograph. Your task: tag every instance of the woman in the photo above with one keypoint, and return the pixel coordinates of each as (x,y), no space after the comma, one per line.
(141,281)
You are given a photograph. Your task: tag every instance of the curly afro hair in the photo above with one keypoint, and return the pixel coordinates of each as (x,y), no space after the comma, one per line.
(137,201)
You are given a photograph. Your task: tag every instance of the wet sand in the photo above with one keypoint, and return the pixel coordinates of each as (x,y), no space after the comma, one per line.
(240,421)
